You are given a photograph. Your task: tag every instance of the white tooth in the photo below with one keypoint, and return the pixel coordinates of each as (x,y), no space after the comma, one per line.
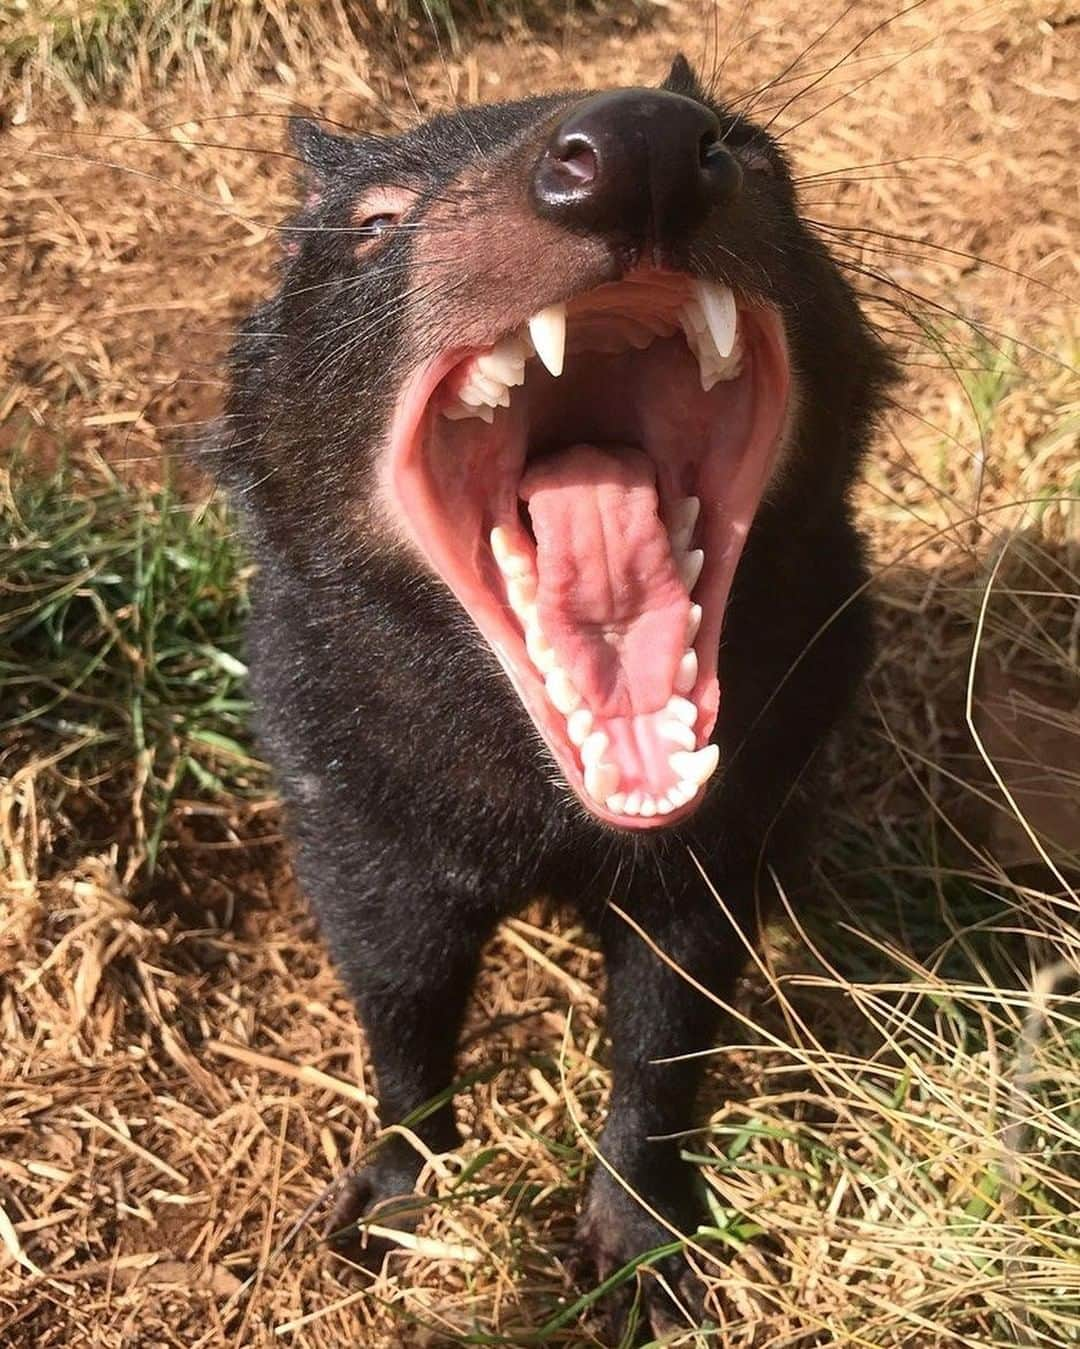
(541,652)
(499,538)
(511,563)
(693,320)
(711,368)
(664,806)
(690,565)
(594,748)
(681,709)
(458,412)
(684,516)
(697,767)
(564,697)
(494,390)
(632,804)
(718,306)
(686,675)
(521,592)
(505,362)
(601,780)
(547,328)
(678,733)
(693,624)
(617,803)
(515,566)
(578,725)
(472,394)
(682,792)
(648,807)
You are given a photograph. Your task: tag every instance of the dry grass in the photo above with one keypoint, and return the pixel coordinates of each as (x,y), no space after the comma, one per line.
(893,1152)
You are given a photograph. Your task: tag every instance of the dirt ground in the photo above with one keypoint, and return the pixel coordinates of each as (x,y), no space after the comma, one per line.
(182,1076)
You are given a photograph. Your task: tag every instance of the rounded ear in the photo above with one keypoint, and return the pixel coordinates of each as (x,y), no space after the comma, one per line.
(321,151)
(682,79)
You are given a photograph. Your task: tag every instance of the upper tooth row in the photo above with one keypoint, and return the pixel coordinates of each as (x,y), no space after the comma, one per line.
(709,319)
(489,380)
(693,767)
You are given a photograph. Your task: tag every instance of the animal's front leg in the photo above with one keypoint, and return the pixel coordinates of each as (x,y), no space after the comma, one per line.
(410,971)
(643,1195)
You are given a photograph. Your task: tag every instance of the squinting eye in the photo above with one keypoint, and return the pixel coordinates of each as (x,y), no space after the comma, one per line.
(376,213)
(373,225)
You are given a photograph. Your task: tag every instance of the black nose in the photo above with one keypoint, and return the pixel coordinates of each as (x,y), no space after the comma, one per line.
(635,165)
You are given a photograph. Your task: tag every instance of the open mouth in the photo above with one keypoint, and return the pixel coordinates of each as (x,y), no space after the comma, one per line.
(585,486)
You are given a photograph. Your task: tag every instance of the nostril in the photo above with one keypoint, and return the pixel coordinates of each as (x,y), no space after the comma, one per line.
(709,147)
(578,159)
(720,166)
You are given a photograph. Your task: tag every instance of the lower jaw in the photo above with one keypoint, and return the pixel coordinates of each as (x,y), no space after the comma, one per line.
(449,520)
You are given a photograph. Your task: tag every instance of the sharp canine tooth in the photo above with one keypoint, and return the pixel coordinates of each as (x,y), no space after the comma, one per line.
(564,697)
(601,781)
(686,675)
(679,734)
(682,709)
(594,748)
(718,306)
(547,328)
(578,726)
(693,624)
(697,767)
(690,566)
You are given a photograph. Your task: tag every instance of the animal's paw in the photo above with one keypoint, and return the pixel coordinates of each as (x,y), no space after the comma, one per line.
(663,1298)
(376,1197)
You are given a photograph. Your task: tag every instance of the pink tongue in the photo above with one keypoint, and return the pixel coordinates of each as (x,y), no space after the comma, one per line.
(610,600)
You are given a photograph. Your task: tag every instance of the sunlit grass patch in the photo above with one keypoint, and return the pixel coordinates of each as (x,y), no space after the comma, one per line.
(121,665)
(93,49)
(910,1150)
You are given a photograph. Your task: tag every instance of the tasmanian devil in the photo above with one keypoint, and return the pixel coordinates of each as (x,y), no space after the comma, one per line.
(544,448)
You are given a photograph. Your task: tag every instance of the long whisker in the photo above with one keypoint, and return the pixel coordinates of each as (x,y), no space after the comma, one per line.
(790,67)
(961,253)
(867,37)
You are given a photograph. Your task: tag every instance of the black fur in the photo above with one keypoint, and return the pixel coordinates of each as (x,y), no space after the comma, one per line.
(423,807)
